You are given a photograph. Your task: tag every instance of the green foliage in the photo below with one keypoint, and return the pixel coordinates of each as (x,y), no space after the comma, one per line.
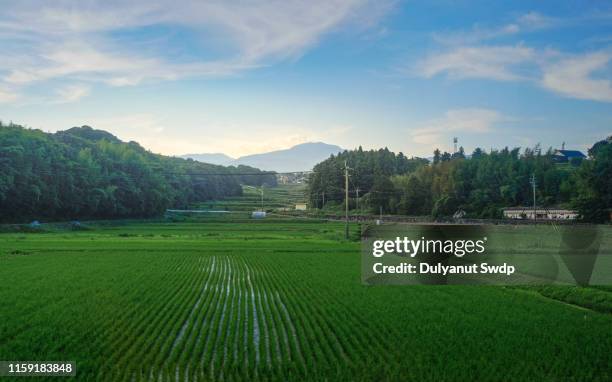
(370,172)
(594,183)
(487,182)
(481,186)
(87,173)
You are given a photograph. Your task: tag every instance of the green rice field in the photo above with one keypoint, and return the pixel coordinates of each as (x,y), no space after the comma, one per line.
(239,299)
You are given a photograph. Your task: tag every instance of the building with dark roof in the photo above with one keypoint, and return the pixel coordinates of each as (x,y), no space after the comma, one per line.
(564,156)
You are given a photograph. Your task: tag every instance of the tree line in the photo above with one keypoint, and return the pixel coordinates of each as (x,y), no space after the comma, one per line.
(371,172)
(480,185)
(87,173)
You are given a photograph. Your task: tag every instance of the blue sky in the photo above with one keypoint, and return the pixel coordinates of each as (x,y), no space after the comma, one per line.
(250,76)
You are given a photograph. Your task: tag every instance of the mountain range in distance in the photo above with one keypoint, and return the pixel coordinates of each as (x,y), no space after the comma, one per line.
(302,157)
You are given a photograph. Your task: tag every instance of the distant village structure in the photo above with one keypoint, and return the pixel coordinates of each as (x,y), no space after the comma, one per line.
(539,213)
(529,213)
(292,177)
(258,214)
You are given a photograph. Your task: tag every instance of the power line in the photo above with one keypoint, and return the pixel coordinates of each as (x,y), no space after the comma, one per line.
(533,184)
(267,173)
(162,170)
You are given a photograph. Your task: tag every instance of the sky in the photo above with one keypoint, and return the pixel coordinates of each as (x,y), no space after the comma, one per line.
(243,77)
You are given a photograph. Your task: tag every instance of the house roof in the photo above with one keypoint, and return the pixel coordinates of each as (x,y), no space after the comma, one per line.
(570,153)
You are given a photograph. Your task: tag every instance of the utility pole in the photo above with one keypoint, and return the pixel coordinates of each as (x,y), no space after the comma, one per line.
(346,200)
(533,185)
(262,197)
(323,206)
(357,200)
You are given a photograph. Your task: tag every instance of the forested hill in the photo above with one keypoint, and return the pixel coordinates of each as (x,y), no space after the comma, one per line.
(481,186)
(87,173)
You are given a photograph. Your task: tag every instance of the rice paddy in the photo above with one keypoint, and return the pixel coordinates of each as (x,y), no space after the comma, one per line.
(276,299)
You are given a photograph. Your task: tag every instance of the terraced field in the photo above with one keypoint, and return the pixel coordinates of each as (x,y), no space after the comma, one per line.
(270,300)
(275,198)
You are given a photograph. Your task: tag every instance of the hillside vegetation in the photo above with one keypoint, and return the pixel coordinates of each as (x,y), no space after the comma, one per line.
(88,173)
(480,185)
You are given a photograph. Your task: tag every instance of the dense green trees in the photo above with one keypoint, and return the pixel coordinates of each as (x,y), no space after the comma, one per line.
(370,173)
(593,184)
(87,173)
(481,186)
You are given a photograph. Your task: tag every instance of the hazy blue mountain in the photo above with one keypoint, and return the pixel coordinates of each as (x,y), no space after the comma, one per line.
(301,157)
(214,158)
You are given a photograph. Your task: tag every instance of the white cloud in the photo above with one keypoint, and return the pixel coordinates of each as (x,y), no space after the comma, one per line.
(534,20)
(476,34)
(524,23)
(77,40)
(72,93)
(492,62)
(83,61)
(7,96)
(155,133)
(575,77)
(470,120)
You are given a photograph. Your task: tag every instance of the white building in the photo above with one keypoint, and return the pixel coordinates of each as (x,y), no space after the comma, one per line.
(258,214)
(539,213)
(301,207)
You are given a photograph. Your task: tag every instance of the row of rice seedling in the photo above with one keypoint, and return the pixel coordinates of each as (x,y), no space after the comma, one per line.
(160,361)
(187,353)
(124,317)
(188,335)
(346,337)
(201,304)
(200,335)
(137,344)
